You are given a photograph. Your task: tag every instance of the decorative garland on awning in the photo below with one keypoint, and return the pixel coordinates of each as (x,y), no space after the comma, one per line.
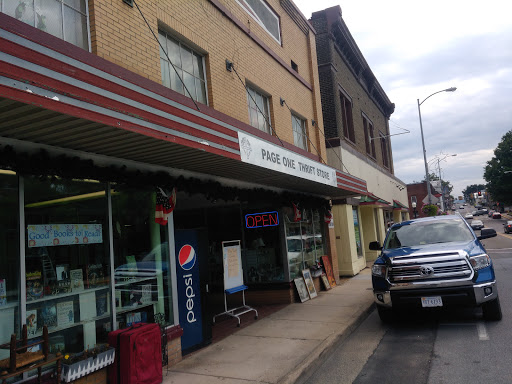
(42,164)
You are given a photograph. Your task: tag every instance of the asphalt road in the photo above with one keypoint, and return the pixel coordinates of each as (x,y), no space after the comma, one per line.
(447,347)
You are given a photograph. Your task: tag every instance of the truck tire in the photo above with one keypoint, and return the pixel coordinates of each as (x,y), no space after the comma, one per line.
(385,314)
(492,310)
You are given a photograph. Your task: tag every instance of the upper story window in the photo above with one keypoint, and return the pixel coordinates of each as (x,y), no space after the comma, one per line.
(369,136)
(188,70)
(346,116)
(384,149)
(264,16)
(259,116)
(299,132)
(65,19)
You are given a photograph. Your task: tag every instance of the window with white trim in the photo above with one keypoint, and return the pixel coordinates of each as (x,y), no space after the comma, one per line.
(259,116)
(264,16)
(185,71)
(299,132)
(65,19)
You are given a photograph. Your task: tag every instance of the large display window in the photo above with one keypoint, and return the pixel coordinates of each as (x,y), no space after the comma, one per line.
(9,258)
(67,262)
(261,253)
(304,239)
(141,259)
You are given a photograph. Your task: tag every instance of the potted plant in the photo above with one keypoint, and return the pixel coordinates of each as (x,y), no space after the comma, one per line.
(81,364)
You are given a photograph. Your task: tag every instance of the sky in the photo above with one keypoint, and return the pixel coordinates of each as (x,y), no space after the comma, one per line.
(417,48)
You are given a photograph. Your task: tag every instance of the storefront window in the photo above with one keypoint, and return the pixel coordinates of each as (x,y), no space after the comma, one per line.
(355,216)
(261,254)
(304,240)
(9,259)
(141,260)
(67,262)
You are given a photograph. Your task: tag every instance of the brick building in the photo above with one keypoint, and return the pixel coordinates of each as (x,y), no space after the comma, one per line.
(356,113)
(114,113)
(417,193)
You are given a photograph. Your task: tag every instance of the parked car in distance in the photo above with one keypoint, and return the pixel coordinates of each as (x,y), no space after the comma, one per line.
(507,227)
(477,224)
(434,262)
(461,207)
(474,213)
(468,216)
(496,215)
(490,213)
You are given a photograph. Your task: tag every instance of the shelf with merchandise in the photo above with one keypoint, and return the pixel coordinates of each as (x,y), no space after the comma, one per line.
(121,310)
(71,325)
(65,294)
(121,283)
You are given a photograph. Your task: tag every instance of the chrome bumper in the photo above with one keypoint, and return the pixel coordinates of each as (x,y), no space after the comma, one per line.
(483,292)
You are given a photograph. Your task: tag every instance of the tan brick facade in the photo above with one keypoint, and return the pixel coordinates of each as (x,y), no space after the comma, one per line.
(119,34)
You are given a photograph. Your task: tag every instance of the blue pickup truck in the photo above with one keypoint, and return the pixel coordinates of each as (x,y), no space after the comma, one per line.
(434,262)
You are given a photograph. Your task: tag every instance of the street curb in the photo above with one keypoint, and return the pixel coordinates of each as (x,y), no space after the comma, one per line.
(311,362)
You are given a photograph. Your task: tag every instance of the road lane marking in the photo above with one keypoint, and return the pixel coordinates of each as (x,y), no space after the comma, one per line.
(480,327)
(482,331)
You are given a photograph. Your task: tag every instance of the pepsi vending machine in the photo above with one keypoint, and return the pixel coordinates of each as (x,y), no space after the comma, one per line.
(189,292)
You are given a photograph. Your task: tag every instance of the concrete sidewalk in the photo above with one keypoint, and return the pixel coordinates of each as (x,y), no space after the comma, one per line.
(281,346)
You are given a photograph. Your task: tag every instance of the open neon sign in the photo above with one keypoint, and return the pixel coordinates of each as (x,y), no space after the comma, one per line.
(264,219)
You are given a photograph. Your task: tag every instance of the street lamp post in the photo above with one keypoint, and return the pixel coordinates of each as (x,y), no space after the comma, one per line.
(441,180)
(427,178)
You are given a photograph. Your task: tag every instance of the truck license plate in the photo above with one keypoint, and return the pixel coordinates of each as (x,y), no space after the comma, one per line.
(432,301)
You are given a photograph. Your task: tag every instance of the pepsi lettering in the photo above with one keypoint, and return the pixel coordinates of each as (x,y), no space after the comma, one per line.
(189,292)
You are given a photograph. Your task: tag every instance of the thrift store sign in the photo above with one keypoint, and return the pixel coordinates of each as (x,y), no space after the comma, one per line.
(270,156)
(63,234)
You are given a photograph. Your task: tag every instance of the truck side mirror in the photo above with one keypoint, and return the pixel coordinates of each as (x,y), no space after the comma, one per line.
(375,246)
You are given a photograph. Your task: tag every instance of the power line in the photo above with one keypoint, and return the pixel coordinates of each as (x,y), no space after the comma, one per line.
(229,64)
(165,52)
(283,101)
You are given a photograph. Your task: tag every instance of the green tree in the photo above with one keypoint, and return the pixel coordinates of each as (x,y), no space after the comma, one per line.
(499,183)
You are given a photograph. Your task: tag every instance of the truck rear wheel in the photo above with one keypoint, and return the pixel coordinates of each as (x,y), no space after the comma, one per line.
(492,310)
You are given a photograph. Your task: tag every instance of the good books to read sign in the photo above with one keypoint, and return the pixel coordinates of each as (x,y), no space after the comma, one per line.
(63,234)
(270,156)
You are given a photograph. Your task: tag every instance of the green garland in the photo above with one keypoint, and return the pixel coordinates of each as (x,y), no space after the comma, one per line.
(41,164)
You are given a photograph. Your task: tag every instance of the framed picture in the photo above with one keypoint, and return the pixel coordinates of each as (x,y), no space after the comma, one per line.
(301,289)
(327,286)
(328,270)
(306,273)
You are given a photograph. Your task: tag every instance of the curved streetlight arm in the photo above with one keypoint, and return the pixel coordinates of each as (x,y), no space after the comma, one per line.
(452,89)
(427,178)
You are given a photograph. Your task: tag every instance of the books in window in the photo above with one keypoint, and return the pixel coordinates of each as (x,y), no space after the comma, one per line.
(34,285)
(31,322)
(77,280)
(49,315)
(95,276)
(65,313)
(146,293)
(3,293)
(102,303)
(136,317)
